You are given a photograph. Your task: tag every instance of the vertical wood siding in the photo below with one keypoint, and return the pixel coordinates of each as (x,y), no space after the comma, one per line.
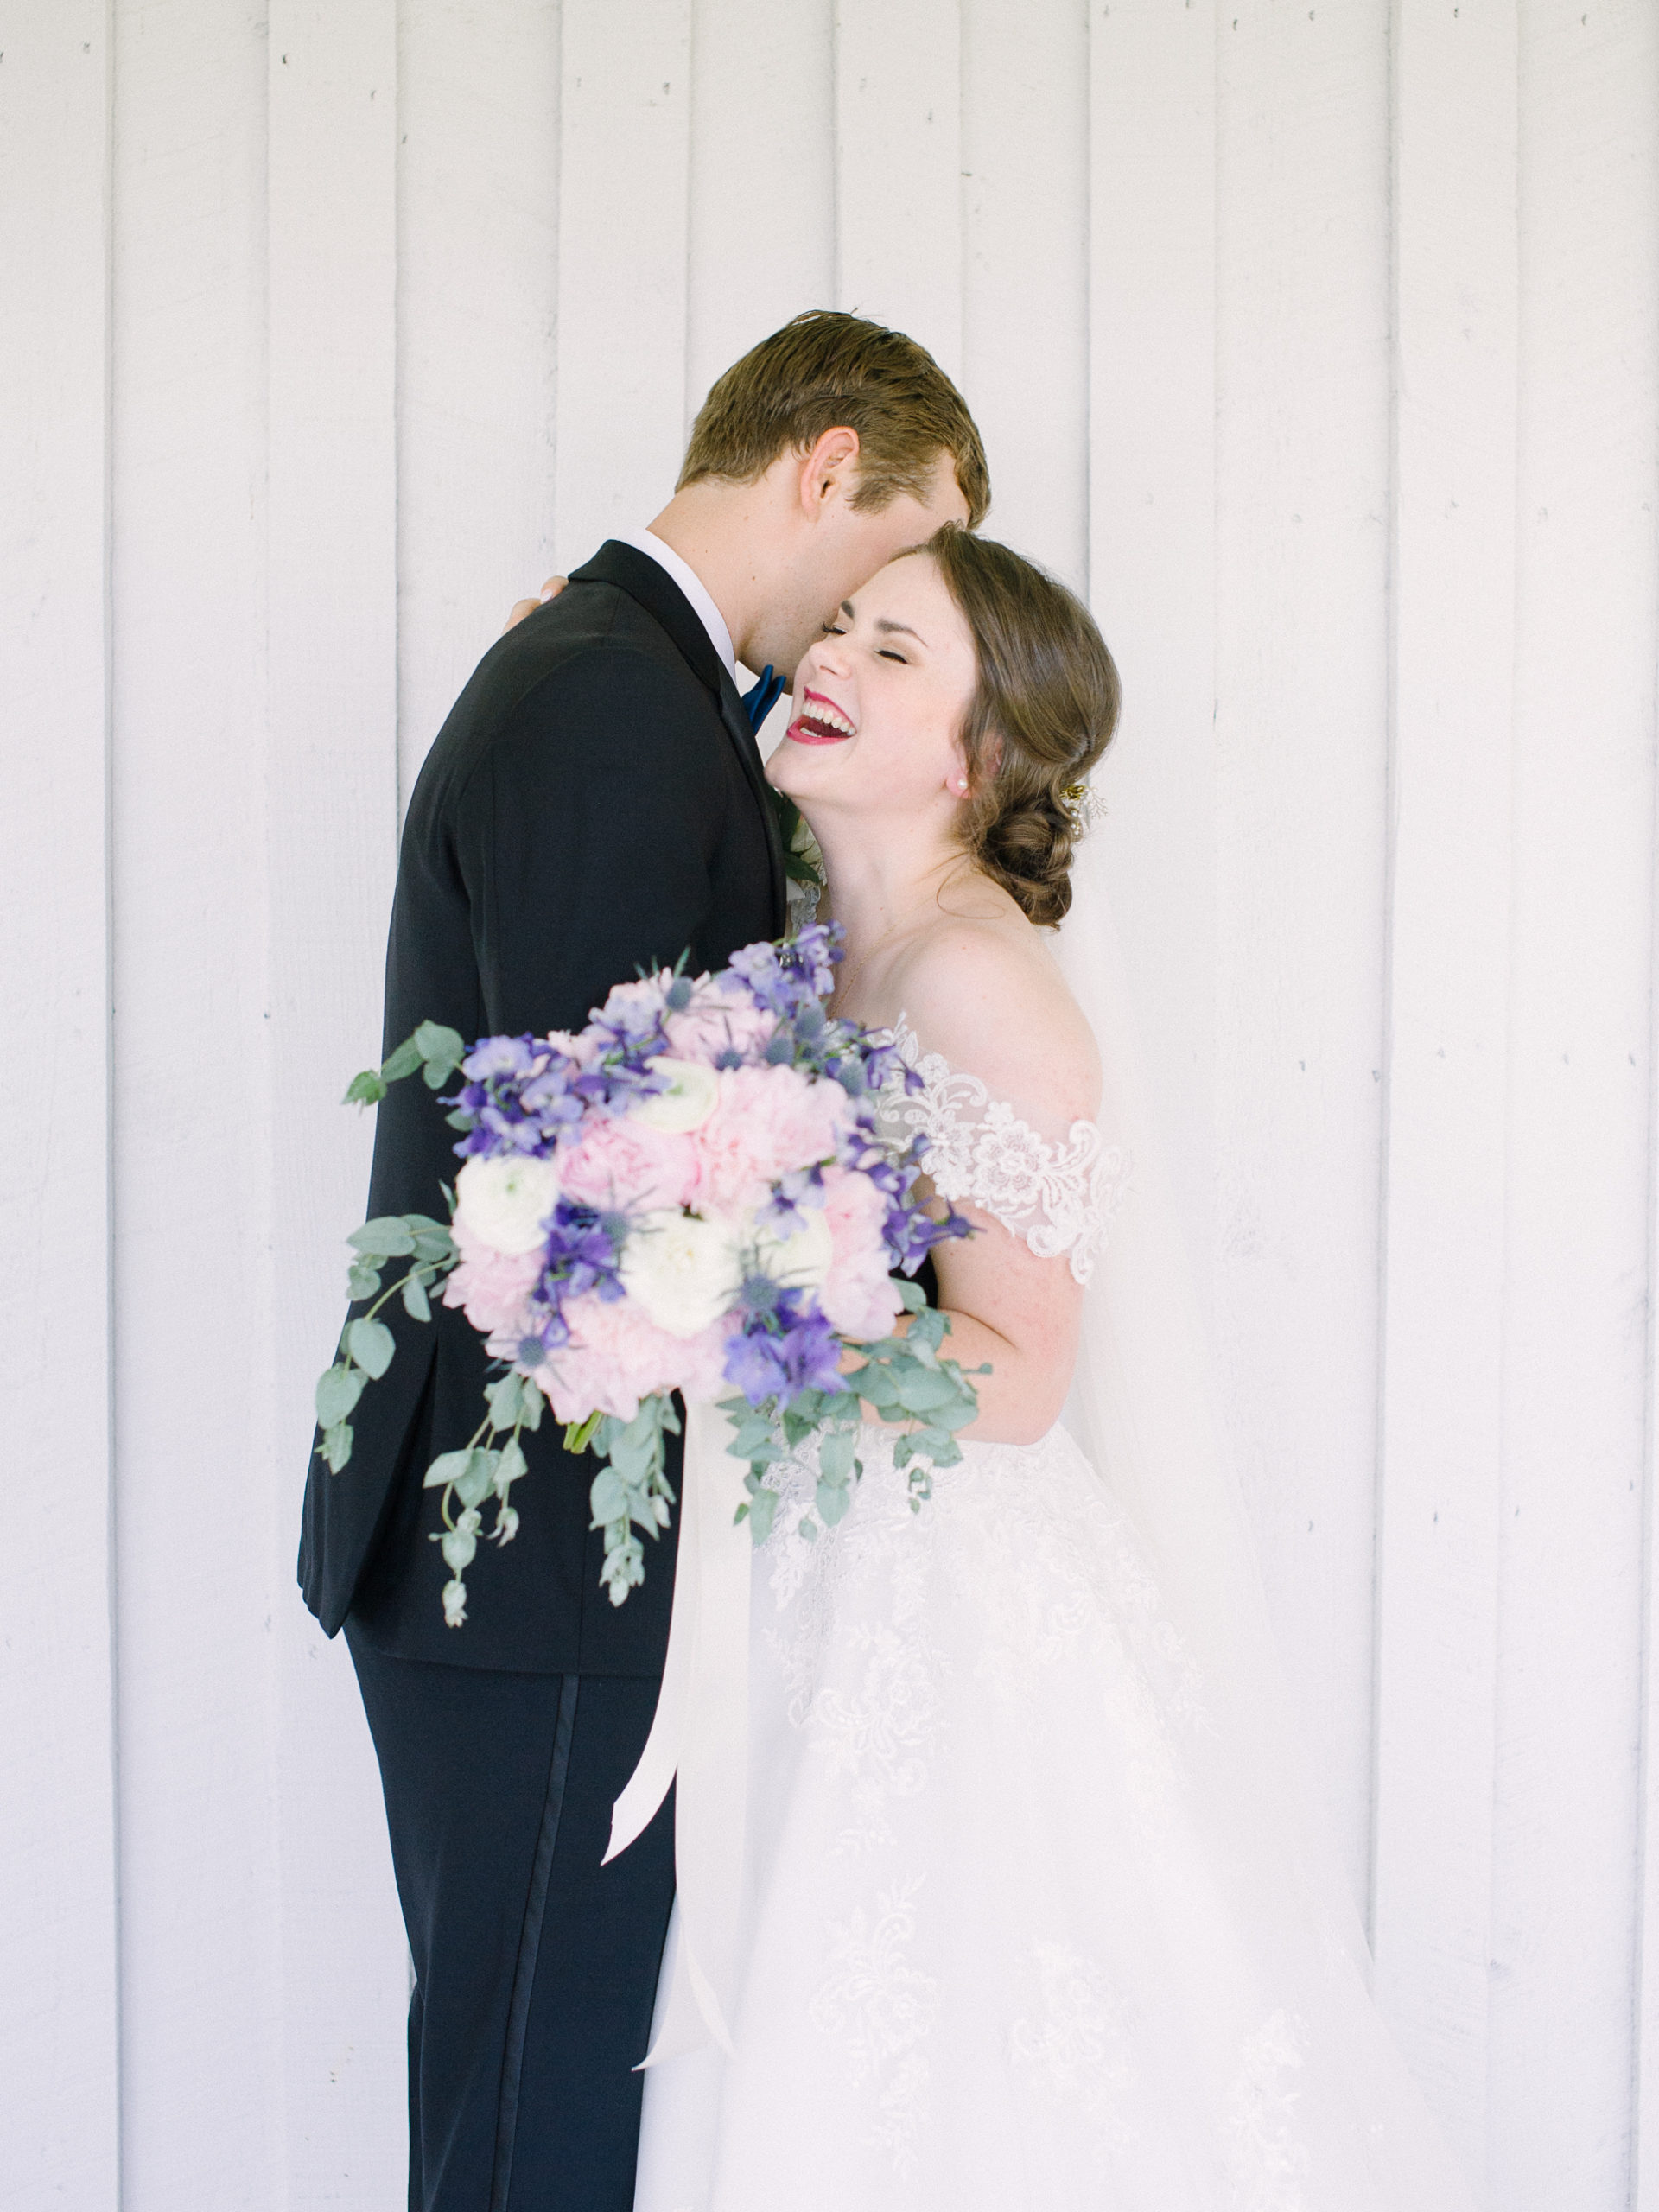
(1321,347)
(59,2055)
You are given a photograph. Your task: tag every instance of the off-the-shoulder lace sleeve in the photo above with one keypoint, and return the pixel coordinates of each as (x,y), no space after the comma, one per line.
(1059,1194)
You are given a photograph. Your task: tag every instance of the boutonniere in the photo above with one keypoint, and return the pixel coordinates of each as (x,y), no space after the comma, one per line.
(803,862)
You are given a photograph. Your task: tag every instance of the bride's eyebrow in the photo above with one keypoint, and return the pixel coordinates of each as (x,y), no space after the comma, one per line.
(888,628)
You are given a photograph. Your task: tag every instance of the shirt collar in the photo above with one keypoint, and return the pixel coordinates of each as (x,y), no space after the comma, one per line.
(692,585)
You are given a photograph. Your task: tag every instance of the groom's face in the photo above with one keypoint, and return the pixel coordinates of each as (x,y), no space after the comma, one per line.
(846,546)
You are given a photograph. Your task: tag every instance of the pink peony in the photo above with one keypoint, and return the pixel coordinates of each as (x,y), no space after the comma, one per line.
(620,1163)
(768,1121)
(713,1024)
(576,1044)
(632,1008)
(858,1296)
(616,1356)
(492,1287)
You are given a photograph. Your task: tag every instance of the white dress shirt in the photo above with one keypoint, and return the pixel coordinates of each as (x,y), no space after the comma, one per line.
(693,588)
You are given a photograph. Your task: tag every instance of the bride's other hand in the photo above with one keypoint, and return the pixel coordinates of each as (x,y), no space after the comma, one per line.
(550,589)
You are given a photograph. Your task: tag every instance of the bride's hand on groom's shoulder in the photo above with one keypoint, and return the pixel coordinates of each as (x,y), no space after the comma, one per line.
(550,589)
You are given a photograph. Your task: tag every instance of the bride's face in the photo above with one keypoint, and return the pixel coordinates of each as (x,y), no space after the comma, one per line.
(880,702)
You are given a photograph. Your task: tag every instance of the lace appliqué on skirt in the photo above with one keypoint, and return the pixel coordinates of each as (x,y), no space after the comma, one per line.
(881,2009)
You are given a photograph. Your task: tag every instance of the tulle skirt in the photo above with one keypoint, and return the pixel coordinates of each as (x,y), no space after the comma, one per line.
(1020,1931)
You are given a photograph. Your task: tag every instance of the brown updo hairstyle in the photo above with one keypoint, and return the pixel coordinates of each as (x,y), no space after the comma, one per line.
(1042,714)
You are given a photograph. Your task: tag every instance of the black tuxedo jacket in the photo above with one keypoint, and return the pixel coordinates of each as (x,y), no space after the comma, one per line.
(593,804)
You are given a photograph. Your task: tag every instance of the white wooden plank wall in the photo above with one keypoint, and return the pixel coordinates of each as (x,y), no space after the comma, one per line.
(58,1879)
(1582,859)
(1302,703)
(1151,533)
(193,1113)
(1320,346)
(331,749)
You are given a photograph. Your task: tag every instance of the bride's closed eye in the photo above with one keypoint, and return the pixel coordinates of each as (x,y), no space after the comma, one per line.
(883,653)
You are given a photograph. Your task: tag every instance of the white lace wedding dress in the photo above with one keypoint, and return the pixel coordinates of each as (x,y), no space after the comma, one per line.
(1020,1930)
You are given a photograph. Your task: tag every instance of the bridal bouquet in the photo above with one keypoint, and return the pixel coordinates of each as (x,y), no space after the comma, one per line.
(690,1195)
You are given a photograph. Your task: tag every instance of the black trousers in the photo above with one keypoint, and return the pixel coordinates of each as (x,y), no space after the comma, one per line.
(535,1967)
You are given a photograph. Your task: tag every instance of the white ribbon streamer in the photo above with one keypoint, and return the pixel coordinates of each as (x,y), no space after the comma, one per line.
(699,1733)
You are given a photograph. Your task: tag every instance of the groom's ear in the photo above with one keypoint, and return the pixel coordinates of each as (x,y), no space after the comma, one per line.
(831,467)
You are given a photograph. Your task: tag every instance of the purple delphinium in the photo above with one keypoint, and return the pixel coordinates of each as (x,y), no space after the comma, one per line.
(784,1345)
(584,1249)
(785,1212)
(519,1096)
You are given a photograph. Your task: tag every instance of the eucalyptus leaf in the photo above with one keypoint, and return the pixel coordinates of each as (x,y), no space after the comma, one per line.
(530,1403)
(432,1245)
(372,1346)
(607,1498)
(922,1389)
(763,1507)
(914,1296)
(958,1415)
(503,1398)
(832,1500)
(931,1327)
(510,1463)
(339,1389)
(336,1446)
(477,1478)
(438,1045)
(625,1563)
(630,1460)
(460,1546)
(836,1455)
(402,1062)
(362,1280)
(445,1469)
(416,1304)
(364,1089)
(387,1238)
(882,1392)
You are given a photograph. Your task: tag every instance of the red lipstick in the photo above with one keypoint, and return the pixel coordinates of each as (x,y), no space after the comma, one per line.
(808,729)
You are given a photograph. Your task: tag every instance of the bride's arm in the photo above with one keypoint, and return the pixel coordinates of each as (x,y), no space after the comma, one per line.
(1020,1314)
(999,1011)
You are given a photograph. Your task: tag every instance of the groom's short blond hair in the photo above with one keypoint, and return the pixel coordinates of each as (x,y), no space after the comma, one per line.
(824,371)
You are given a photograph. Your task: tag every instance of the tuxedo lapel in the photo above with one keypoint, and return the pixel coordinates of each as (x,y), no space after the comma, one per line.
(650,586)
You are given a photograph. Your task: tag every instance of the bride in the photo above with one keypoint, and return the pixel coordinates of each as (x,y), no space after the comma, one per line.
(1035,1913)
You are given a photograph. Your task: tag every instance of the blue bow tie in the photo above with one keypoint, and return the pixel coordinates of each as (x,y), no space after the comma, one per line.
(761,702)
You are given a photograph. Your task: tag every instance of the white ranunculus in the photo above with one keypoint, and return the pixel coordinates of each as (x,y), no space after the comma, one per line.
(505,1202)
(688,1102)
(800,1262)
(684,1272)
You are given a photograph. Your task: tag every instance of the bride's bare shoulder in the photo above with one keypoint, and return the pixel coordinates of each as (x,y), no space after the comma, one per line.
(987,994)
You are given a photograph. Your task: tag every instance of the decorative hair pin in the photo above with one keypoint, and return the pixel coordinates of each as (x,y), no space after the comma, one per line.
(1083,807)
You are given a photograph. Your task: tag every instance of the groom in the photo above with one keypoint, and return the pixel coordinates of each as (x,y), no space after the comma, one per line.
(593,804)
